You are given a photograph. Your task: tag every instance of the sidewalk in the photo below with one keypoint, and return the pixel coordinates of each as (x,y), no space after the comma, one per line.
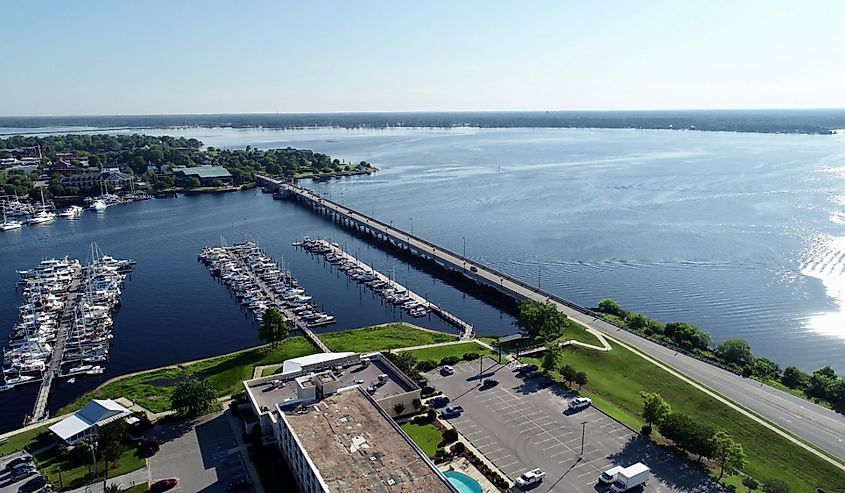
(140,476)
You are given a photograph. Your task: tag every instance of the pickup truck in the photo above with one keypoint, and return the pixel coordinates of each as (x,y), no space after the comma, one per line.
(609,476)
(530,478)
(452,412)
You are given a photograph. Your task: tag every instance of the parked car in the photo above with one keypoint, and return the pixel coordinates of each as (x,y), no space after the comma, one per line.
(35,484)
(439,401)
(239,483)
(22,471)
(490,382)
(24,459)
(609,476)
(530,478)
(447,370)
(452,412)
(580,403)
(163,485)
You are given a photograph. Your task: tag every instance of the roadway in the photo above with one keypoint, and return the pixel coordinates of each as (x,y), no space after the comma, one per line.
(822,427)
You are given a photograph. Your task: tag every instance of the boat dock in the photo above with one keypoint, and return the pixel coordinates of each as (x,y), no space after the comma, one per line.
(258,282)
(374,278)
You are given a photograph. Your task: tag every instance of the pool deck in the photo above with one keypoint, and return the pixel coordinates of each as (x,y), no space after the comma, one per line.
(463,466)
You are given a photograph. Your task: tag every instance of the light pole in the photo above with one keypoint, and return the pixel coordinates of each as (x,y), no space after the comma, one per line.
(539,274)
(583,429)
(465,245)
(59,470)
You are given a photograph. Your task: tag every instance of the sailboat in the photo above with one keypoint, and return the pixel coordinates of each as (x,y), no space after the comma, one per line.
(42,215)
(7,224)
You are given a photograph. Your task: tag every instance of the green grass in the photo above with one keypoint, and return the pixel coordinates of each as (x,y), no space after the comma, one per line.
(382,338)
(426,436)
(152,389)
(617,377)
(138,488)
(75,470)
(437,353)
(21,441)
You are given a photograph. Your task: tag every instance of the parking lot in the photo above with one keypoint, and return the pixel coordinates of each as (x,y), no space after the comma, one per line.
(522,424)
(7,484)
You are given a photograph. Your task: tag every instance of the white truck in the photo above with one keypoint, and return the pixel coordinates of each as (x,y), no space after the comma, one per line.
(630,477)
(530,478)
(609,475)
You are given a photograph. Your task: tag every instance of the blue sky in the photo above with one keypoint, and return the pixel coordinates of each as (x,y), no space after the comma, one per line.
(143,57)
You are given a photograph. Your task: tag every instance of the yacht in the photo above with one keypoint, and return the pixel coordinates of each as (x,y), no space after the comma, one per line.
(43,215)
(8,225)
(98,205)
(70,212)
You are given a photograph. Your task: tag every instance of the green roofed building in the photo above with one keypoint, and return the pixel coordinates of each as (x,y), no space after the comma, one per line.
(207,175)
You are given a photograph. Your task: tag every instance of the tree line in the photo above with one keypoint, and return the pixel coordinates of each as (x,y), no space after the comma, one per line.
(823,384)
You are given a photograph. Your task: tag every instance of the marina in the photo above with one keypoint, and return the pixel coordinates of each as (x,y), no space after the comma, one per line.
(258,284)
(65,323)
(384,286)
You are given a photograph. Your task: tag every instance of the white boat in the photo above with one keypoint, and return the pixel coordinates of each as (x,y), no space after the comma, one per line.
(19,380)
(42,215)
(71,380)
(70,212)
(98,205)
(8,225)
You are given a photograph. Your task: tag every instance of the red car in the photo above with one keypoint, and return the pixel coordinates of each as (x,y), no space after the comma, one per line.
(163,485)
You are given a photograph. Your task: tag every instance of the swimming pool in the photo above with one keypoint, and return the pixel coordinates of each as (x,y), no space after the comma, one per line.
(463,483)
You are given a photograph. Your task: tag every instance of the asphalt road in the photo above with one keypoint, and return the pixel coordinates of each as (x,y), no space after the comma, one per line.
(521,424)
(813,423)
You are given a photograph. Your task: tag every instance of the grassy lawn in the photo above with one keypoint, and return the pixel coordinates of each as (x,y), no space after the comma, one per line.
(138,488)
(152,389)
(382,338)
(617,377)
(426,436)
(75,468)
(437,353)
(21,441)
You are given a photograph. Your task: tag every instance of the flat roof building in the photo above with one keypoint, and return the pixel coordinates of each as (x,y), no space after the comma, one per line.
(347,443)
(87,421)
(331,415)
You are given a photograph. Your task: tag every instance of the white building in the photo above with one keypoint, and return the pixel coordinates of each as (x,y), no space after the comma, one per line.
(88,420)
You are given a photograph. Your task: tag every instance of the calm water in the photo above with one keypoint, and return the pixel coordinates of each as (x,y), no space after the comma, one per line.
(741,234)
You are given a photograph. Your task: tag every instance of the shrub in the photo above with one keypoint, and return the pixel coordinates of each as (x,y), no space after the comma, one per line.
(417,404)
(750,483)
(431,415)
(471,356)
(646,430)
(426,365)
(774,486)
(459,448)
(450,360)
(450,435)
(399,408)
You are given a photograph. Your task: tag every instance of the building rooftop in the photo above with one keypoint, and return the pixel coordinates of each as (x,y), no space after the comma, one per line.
(267,392)
(356,447)
(204,171)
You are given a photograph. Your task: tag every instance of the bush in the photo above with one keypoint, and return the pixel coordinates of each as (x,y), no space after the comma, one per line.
(450,360)
(750,483)
(431,415)
(427,391)
(646,430)
(450,435)
(774,486)
(471,356)
(459,448)
(417,404)
(426,365)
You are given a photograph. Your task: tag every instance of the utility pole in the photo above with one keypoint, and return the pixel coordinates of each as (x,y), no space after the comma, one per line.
(583,429)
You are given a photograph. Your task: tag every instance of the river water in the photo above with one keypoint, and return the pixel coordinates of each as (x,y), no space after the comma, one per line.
(741,234)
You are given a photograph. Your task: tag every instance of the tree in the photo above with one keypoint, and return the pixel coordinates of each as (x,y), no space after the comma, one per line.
(274,327)
(580,379)
(551,358)
(636,321)
(611,307)
(194,182)
(403,360)
(766,369)
(750,483)
(688,433)
(727,453)
(655,408)
(109,442)
(399,408)
(193,397)
(568,373)
(450,435)
(774,486)
(541,319)
(687,335)
(794,378)
(736,351)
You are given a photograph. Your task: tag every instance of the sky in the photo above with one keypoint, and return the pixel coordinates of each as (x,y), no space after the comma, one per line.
(164,57)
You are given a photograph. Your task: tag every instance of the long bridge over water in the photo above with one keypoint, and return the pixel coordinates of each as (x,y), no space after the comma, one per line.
(785,414)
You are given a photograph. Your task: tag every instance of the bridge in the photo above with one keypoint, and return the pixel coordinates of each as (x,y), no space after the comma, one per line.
(783,413)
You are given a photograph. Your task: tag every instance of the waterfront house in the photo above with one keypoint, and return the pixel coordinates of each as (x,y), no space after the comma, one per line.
(116,179)
(87,421)
(205,174)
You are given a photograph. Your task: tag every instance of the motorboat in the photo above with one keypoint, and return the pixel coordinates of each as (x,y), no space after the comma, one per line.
(98,205)
(71,212)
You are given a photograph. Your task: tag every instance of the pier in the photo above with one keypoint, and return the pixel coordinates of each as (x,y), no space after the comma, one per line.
(464,327)
(39,410)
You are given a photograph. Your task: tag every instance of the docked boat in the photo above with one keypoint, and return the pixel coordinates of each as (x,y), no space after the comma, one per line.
(8,224)
(98,205)
(71,212)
